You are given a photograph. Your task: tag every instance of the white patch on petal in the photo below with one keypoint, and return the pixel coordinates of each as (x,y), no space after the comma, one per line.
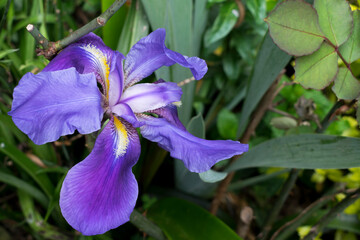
(121,138)
(102,61)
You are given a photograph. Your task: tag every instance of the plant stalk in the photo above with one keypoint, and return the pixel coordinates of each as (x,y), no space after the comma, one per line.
(285,191)
(339,208)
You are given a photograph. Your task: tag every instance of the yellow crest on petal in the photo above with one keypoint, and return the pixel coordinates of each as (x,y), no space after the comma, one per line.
(122,138)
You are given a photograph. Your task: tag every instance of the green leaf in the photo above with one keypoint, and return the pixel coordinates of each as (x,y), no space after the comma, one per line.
(113,27)
(318,69)
(346,222)
(181,220)
(177,18)
(335,19)
(26,187)
(294,27)
(6,52)
(223,24)
(269,62)
(308,151)
(35,221)
(283,122)
(135,28)
(26,164)
(350,50)
(196,126)
(227,124)
(346,86)
(358,113)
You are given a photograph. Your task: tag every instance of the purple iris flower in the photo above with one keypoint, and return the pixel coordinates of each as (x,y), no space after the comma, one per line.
(87,80)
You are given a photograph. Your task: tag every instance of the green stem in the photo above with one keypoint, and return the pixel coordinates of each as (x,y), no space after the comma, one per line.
(38,36)
(279,203)
(51,48)
(290,227)
(339,208)
(146,225)
(327,120)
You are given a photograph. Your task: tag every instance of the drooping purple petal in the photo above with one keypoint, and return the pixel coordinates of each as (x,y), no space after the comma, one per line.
(148,96)
(99,193)
(150,53)
(124,111)
(88,54)
(116,79)
(78,55)
(52,104)
(198,155)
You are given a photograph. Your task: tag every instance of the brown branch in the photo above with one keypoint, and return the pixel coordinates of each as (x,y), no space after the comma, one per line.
(241,17)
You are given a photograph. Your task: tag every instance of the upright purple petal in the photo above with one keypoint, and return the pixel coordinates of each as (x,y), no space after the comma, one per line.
(150,53)
(149,96)
(198,155)
(99,193)
(52,104)
(116,78)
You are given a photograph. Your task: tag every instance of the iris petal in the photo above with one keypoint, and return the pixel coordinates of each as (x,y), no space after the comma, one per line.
(116,79)
(88,55)
(124,111)
(99,193)
(149,96)
(150,53)
(52,104)
(198,155)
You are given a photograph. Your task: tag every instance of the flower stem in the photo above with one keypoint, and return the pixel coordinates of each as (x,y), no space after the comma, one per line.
(146,225)
(51,48)
(339,208)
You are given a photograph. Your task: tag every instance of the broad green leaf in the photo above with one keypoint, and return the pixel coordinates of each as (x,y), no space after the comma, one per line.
(227,124)
(335,20)
(308,151)
(294,27)
(200,22)
(269,62)
(283,122)
(318,69)
(135,28)
(113,27)
(177,18)
(350,50)
(182,220)
(223,24)
(346,86)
